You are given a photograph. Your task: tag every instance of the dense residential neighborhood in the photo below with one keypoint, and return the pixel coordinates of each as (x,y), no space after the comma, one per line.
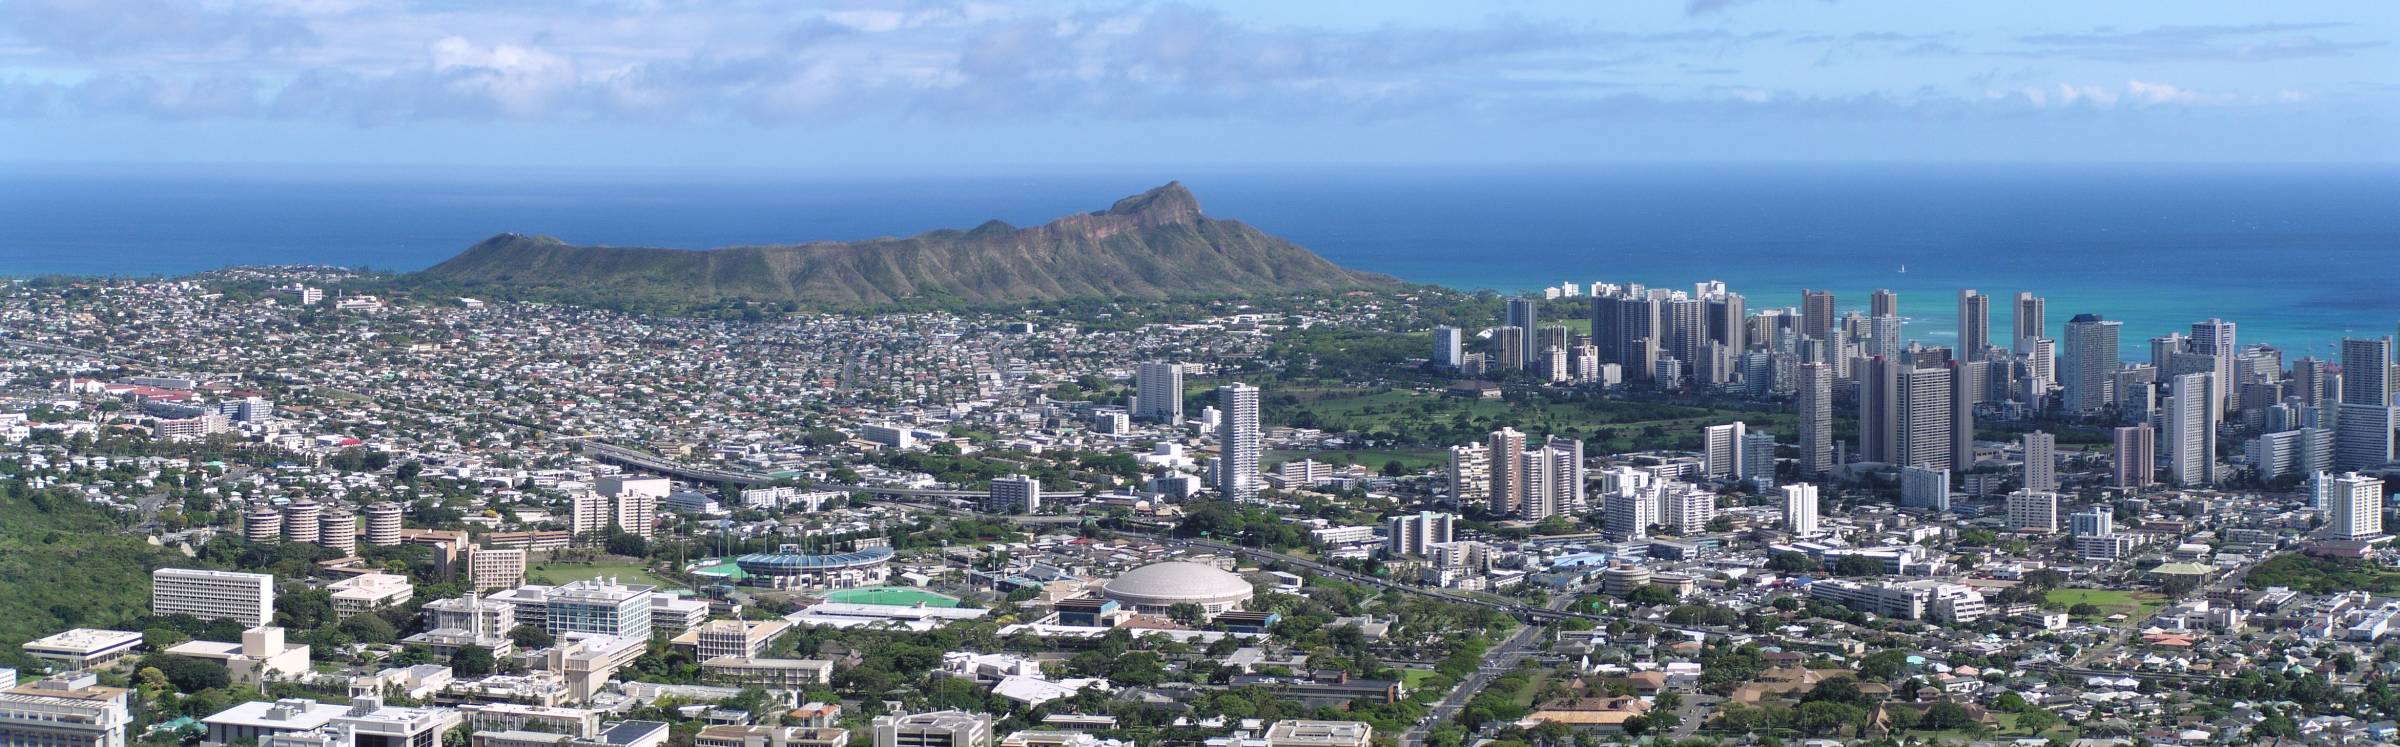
(310,506)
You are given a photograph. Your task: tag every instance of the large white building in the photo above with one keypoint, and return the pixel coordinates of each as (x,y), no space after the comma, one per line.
(2354,507)
(2041,461)
(1158,392)
(2032,511)
(1723,448)
(361,593)
(1157,587)
(600,606)
(1688,509)
(1800,512)
(69,710)
(246,598)
(636,500)
(1240,443)
(1409,534)
(1013,494)
(2191,419)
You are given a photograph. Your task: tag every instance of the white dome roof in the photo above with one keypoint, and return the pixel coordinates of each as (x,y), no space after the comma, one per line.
(1178,580)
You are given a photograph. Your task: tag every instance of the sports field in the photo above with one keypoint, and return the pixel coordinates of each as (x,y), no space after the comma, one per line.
(891,595)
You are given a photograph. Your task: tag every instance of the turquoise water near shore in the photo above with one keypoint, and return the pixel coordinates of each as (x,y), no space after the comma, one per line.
(2299,256)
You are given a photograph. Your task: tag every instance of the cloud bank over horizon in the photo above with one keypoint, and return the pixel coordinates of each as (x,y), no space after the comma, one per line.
(997,82)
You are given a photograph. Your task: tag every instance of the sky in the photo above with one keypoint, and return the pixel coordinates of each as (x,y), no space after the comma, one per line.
(934,84)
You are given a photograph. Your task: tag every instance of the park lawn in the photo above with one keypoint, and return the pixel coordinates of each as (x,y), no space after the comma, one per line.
(2134,605)
(1372,459)
(630,573)
(1524,696)
(2006,723)
(1411,678)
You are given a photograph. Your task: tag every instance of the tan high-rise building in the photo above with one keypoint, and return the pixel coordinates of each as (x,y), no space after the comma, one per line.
(493,568)
(338,530)
(263,525)
(1506,450)
(2137,456)
(384,523)
(300,520)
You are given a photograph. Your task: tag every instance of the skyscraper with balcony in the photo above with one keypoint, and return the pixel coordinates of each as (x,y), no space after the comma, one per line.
(2087,360)
(1158,388)
(2354,507)
(2363,426)
(1239,441)
(1974,325)
(1524,314)
(1800,509)
(2041,461)
(1815,402)
(2191,434)
(2136,457)
(1816,314)
(2028,321)
(1506,448)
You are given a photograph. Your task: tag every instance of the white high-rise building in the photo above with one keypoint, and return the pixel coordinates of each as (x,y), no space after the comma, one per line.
(1410,534)
(2041,461)
(1014,494)
(1687,508)
(2191,430)
(1800,509)
(1470,473)
(2097,522)
(1627,513)
(1757,464)
(1448,346)
(2354,507)
(1554,479)
(1238,442)
(1158,392)
(2032,511)
(1925,487)
(246,598)
(1723,453)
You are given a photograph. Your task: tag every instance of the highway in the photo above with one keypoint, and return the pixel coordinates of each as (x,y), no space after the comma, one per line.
(1500,660)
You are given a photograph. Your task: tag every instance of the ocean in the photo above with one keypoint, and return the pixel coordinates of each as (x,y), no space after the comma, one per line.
(2298,256)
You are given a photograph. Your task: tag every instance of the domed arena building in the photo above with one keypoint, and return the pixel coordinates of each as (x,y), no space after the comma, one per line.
(1153,588)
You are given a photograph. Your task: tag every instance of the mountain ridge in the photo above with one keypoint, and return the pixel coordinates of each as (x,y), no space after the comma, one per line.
(1154,244)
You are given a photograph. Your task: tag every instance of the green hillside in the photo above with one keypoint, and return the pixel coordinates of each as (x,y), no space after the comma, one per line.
(65,563)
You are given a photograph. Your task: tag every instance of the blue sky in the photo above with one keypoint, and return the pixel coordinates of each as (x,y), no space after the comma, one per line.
(865,84)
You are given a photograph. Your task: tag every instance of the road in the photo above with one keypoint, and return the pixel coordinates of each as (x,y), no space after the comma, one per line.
(1500,660)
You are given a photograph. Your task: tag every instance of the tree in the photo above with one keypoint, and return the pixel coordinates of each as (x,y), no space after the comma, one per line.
(186,673)
(531,637)
(1946,715)
(1884,665)
(472,661)
(369,628)
(1650,595)
(1790,562)
(1186,613)
(2084,609)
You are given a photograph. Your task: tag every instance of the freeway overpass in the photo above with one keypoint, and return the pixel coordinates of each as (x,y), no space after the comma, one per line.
(613,453)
